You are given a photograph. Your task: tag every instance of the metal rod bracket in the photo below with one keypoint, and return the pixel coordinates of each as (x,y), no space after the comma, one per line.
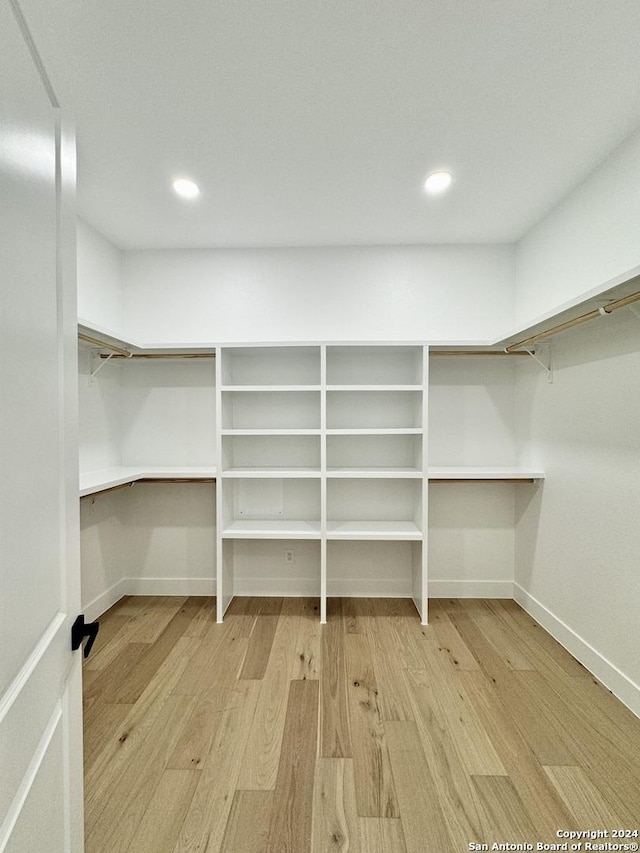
(101,364)
(544,349)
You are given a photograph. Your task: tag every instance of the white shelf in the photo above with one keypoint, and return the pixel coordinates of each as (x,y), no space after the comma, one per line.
(92,482)
(379,473)
(261,473)
(272,529)
(270,388)
(391,431)
(270,432)
(484,473)
(373,530)
(408,387)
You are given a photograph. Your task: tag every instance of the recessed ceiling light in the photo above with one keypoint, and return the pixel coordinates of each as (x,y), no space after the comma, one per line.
(186,188)
(437,182)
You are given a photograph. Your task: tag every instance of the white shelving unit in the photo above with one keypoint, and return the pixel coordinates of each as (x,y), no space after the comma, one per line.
(325,443)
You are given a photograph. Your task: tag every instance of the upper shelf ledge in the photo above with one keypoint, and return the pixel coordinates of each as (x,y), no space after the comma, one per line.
(484,472)
(92,482)
(619,292)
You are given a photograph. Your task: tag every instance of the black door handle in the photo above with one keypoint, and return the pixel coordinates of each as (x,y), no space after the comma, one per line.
(81,629)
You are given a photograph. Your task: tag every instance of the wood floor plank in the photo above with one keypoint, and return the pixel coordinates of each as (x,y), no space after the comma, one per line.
(476,751)
(105,687)
(102,657)
(462,808)
(194,745)
(208,813)
(508,645)
(110,628)
(309,641)
(204,618)
(350,616)
(112,761)
(335,736)
(530,703)
(538,796)
(381,835)
(264,741)
(161,823)
(127,801)
(291,820)
(148,625)
(200,672)
(455,647)
(540,647)
(509,818)
(132,684)
(247,829)
(101,722)
(335,815)
(582,798)
(375,792)
(259,648)
(423,823)
(388,663)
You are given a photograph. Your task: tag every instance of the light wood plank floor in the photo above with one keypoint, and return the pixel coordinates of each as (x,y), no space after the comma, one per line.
(371,733)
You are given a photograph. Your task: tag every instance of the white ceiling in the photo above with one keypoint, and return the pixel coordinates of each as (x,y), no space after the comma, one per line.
(314,122)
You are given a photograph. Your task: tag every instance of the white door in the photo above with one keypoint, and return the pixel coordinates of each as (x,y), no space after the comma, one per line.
(40,678)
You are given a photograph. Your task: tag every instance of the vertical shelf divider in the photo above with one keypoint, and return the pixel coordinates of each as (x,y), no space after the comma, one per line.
(420,567)
(323,484)
(224,576)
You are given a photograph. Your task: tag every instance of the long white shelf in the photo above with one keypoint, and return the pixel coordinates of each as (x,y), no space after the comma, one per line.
(378,473)
(373,530)
(270,432)
(377,431)
(386,387)
(484,473)
(258,473)
(271,529)
(270,388)
(92,482)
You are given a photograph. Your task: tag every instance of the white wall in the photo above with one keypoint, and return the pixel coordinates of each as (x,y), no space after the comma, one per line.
(99,279)
(379,293)
(100,413)
(589,241)
(472,525)
(168,534)
(472,539)
(101,552)
(147,539)
(578,537)
(168,412)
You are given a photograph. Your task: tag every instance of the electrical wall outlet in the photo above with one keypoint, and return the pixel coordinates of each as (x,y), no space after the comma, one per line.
(288,556)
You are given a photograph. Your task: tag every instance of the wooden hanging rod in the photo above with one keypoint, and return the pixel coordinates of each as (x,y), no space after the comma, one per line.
(176,480)
(474,353)
(436,481)
(590,315)
(163,355)
(122,353)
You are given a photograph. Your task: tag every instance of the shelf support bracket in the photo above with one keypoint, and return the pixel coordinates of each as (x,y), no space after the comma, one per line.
(101,364)
(544,348)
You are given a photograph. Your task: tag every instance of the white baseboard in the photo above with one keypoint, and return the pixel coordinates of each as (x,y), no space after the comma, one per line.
(285,587)
(369,587)
(470,589)
(608,673)
(171,586)
(105,600)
